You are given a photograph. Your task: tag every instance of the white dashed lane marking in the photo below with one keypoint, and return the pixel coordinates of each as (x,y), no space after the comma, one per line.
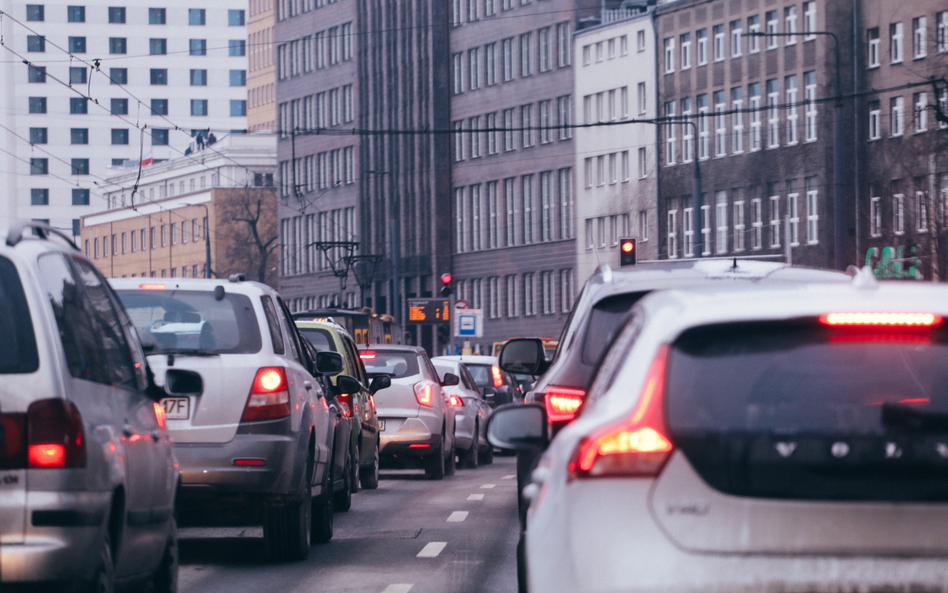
(509,477)
(488,485)
(457,516)
(398,588)
(476,497)
(432,549)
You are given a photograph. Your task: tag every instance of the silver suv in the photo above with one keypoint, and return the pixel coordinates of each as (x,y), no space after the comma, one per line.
(87,471)
(255,445)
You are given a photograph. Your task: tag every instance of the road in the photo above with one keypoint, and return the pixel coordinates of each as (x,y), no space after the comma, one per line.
(457,535)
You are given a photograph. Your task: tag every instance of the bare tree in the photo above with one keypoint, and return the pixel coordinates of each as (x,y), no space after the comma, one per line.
(248,230)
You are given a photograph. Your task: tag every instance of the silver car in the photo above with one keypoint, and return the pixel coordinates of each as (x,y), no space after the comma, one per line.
(471,411)
(416,420)
(87,470)
(255,445)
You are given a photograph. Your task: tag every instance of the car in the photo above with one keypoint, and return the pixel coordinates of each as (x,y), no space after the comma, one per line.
(496,385)
(358,406)
(471,413)
(750,438)
(255,445)
(416,420)
(87,470)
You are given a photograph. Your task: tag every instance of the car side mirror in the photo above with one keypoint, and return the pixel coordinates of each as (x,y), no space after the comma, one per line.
(450,379)
(379,383)
(328,363)
(523,356)
(347,385)
(520,427)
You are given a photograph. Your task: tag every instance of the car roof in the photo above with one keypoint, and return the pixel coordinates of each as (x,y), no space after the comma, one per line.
(208,284)
(470,358)
(392,347)
(301,323)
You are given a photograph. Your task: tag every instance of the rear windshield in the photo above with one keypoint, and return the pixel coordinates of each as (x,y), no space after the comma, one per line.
(18,343)
(798,376)
(321,338)
(183,321)
(481,373)
(396,364)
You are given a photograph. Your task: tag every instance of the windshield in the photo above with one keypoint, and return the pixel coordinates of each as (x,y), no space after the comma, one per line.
(18,346)
(481,373)
(194,321)
(321,338)
(395,364)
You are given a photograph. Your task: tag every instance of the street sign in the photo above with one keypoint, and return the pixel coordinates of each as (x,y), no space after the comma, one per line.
(469,323)
(429,311)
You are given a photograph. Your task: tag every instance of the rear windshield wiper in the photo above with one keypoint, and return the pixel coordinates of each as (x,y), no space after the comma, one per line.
(903,416)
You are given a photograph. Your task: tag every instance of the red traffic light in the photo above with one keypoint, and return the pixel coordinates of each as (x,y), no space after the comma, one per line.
(628,245)
(626,252)
(446,278)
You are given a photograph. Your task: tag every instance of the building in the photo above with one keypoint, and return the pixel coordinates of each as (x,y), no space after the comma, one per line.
(104,83)
(513,163)
(763,109)
(261,74)
(221,198)
(902,138)
(617,183)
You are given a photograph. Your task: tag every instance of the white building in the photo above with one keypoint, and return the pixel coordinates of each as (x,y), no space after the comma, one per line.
(616,185)
(107,82)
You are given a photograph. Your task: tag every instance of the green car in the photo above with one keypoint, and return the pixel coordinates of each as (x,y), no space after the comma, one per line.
(359,406)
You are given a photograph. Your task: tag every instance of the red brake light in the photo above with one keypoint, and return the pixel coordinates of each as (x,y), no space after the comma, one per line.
(345,400)
(249,462)
(367,355)
(424,393)
(152,286)
(636,446)
(160,415)
(496,376)
(882,319)
(456,401)
(562,403)
(269,395)
(54,435)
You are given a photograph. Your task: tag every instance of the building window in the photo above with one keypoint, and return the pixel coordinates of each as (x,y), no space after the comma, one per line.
(773,113)
(566,202)
(157,47)
(921,211)
(812,211)
(737,41)
(117,45)
(898,214)
(36,73)
(703,152)
(159,137)
(508,57)
(198,47)
(670,138)
(718,31)
(235,18)
(546,121)
(753,28)
(545,49)
(198,77)
(720,215)
(897,115)
(38,136)
(80,166)
(685,40)
(79,136)
(196,16)
(118,75)
(687,132)
(37,105)
(809,97)
(238,78)
(757,231)
(919,37)
(942,26)
(895,43)
(35,12)
(689,224)
(119,106)
(872,58)
(526,55)
(526,122)
(737,120)
(720,124)
(159,76)
(771,25)
(39,197)
(920,109)
(672,233)
(643,163)
(78,105)
(793,211)
(76,14)
(119,136)
(643,98)
(490,63)
(238,107)
(458,137)
(529,294)
(875,217)
(508,129)
(199,107)
(77,75)
(529,207)
(80,197)
(790,24)
(702,38)
(669,55)
(156,16)
(35,43)
(809,20)
(790,85)
(875,120)
(510,212)
(159,106)
(474,68)
(510,285)
(564,43)
(238,47)
(774,216)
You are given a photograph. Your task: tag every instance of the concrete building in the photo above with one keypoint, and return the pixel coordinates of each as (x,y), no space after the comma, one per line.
(617,183)
(107,82)
(222,197)
(261,75)
(513,165)
(902,138)
(764,134)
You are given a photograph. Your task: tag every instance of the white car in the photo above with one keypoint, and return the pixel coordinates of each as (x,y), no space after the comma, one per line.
(470,411)
(751,439)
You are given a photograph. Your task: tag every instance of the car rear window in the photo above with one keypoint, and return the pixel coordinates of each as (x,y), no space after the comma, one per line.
(481,374)
(395,364)
(321,338)
(18,346)
(183,320)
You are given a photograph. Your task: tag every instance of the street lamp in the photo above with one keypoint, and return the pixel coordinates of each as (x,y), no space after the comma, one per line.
(838,134)
(207,239)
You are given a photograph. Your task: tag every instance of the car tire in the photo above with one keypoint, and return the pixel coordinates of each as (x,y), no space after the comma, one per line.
(166,577)
(434,462)
(450,462)
(323,509)
(287,528)
(354,469)
(468,457)
(104,579)
(369,476)
(343,498)
(521,564)
(486,455)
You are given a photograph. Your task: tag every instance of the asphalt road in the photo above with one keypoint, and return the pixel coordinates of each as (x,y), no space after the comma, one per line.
(457,535)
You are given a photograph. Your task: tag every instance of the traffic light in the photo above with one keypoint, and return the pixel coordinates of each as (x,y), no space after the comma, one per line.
(446,289)
(444,333)
(626,252)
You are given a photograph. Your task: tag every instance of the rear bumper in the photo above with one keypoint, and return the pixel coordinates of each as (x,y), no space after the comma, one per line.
(63,535)
(401,434)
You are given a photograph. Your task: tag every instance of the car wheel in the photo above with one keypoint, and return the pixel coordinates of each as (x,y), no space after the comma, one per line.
(322,514)
(104,579)
(450,462)
(369,476)
(434,462)
(354,469)
(486,455)
(343,498)
(166,577)
(468,457)
(287,528)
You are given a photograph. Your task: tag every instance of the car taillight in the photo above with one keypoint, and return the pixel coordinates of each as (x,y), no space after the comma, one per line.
(496,376)
(635,447)
(562,403)
(160,416)
(367,355)
(54,435)
(269,395)
(345,400)
(881,319)
(424,392)
(456,401)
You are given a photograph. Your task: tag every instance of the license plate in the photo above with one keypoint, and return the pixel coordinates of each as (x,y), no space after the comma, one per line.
(176,408)
(381,425)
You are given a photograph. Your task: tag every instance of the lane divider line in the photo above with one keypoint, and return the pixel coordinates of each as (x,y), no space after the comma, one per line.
(398,588)
(457,516)
(488,486)
(476,497)
(432,549)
